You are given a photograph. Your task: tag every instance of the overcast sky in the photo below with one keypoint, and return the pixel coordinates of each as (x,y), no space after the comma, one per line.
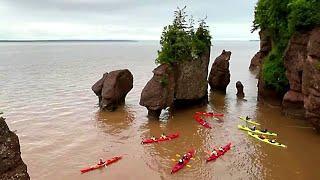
(119,19)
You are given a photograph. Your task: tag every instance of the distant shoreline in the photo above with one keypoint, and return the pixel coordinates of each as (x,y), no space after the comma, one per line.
(68,40)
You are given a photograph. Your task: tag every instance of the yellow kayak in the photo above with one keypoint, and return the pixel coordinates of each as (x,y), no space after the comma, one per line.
(257,131)
(266,140)
(249,121)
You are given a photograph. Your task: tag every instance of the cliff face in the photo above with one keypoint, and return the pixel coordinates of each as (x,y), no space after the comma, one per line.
(265,48)
(294,61)
(311,79)
(11,165)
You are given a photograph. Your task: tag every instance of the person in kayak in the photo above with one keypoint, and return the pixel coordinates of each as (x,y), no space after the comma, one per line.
(101,162)
(272,140)
(180,162)
(247,118)
(264,130)
(163,136)
(214,152)
(253,128)
(262,136)
(221,149)
(153,138)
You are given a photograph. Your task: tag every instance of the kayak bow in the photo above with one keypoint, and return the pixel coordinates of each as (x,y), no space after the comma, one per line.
(178,166)
(257,131)
(219,153)
(98,166)
(169,137)
(268,141)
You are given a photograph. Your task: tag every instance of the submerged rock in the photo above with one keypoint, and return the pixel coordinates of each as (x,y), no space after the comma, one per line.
(159,91)
(311,80)
(11,165)
(219,77)
(112,88)
(239,86)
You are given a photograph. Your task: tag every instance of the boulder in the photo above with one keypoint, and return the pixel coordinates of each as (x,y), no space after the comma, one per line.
(11,165)
(311,79)
(239,86)
(158,94)
(219,77)
(112,88)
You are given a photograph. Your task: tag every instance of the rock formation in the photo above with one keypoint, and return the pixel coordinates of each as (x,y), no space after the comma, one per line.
(239,86)
(180,84)
(11,165)
(265,48)
(294,60)
(311,79)
(112,88)
(219,77)
(159,91)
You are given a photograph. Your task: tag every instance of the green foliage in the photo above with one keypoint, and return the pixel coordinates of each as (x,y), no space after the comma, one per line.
(304,14)
(180,41)
(273,71)
(281,19)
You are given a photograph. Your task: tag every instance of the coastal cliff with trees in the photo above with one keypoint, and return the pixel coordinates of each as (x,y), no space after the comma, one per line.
(289,56)
(181,77)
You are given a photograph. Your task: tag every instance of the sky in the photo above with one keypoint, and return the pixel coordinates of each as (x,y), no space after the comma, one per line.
(119,19)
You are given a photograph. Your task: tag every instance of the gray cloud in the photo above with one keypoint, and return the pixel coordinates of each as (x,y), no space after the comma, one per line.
(149,16)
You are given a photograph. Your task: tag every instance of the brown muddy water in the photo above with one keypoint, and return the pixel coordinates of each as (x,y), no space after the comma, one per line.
(46,96)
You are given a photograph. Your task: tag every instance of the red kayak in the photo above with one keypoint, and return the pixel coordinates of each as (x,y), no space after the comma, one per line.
(178,166)
(220,153)
(210,114)
(169,137)
(106,163)
(202,122)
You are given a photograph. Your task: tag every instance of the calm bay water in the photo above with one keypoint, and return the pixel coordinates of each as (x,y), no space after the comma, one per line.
(46,96)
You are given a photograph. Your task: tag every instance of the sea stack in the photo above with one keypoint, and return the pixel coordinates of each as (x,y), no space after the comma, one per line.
(112,88)
(219,77)
(239,86)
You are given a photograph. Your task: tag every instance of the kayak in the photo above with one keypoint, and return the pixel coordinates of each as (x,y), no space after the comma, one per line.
(220,153)
(210,114)
(178,166)
(202,122)
(257,131)
(249,121)
(97,166)
(266,140)
(169,137)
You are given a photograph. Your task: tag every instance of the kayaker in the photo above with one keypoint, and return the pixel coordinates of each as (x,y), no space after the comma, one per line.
(163,136)
(101,162)
(180,162)
(272,141)
(153,138)
(247,118)
(264,130)
(221,149)
(262,137)
(253,128)
(214,152)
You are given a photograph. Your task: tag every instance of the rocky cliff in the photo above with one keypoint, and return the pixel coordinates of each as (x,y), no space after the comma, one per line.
(265,48)
(311,79)
(11,165)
